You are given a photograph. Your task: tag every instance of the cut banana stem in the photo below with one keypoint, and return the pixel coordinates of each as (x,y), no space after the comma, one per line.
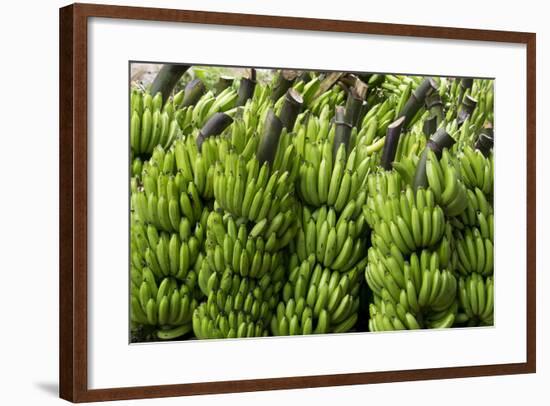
(193,92)
(283,82)
(342,131)
(435,106)
(354,104)
(485,140)
(214,126)
(166,79)
(392,140)
(292,106)
(270,138)
(246,91)
(467,107)
(430,125)
(416,101)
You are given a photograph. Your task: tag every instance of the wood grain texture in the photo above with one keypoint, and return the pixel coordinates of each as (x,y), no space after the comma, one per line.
(66,297)
(73,363)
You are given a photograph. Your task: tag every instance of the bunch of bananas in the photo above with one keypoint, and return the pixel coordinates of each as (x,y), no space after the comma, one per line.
(167,202)
(334,240)
(409,220)
(198,166)
(168,254)
(477,170)
(196,115)
(256,194)
(168,307)
(236,306)
(420,292)
(152,123)
(317,102)
(476,299)
(317,300)
(322,183)
(232,246)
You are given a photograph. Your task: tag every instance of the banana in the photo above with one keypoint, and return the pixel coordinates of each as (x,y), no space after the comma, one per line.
(343,257)
(146,130)
(451,188)
(405,233)
(343,192)
(425,290)
(426,227)
(331,248)
(322,241)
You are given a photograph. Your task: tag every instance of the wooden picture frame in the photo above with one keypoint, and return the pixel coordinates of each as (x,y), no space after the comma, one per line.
(73,201)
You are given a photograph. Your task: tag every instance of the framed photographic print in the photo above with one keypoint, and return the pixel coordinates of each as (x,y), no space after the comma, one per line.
(244,211)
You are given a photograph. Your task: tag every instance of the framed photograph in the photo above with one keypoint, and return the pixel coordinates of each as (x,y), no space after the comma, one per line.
(255,202)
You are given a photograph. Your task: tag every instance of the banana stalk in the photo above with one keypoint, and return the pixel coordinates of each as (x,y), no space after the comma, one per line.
(283,82)
(292,106)
(416,101)
(434,104)
(392,140)
(193,92)
(354,105)
(223,83)
(486,140)
(214,126)
(166,79)
(342,131)
(465,86)
(430,125)
(270,138)
(466,109)
(246,88)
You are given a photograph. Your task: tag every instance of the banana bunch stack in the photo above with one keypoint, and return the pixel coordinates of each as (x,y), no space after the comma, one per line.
(322,291)
(410,261)
(241,277)
(324,182)
(232,246)
(170,198)
(164,289)
(252,222)
(431,260)
(167,236)
(474,235)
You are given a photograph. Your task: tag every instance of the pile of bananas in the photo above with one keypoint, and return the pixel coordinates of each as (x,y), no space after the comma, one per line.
(315,203)
(430,264)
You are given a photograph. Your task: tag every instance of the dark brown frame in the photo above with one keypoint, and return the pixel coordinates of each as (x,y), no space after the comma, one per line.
(73,201)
